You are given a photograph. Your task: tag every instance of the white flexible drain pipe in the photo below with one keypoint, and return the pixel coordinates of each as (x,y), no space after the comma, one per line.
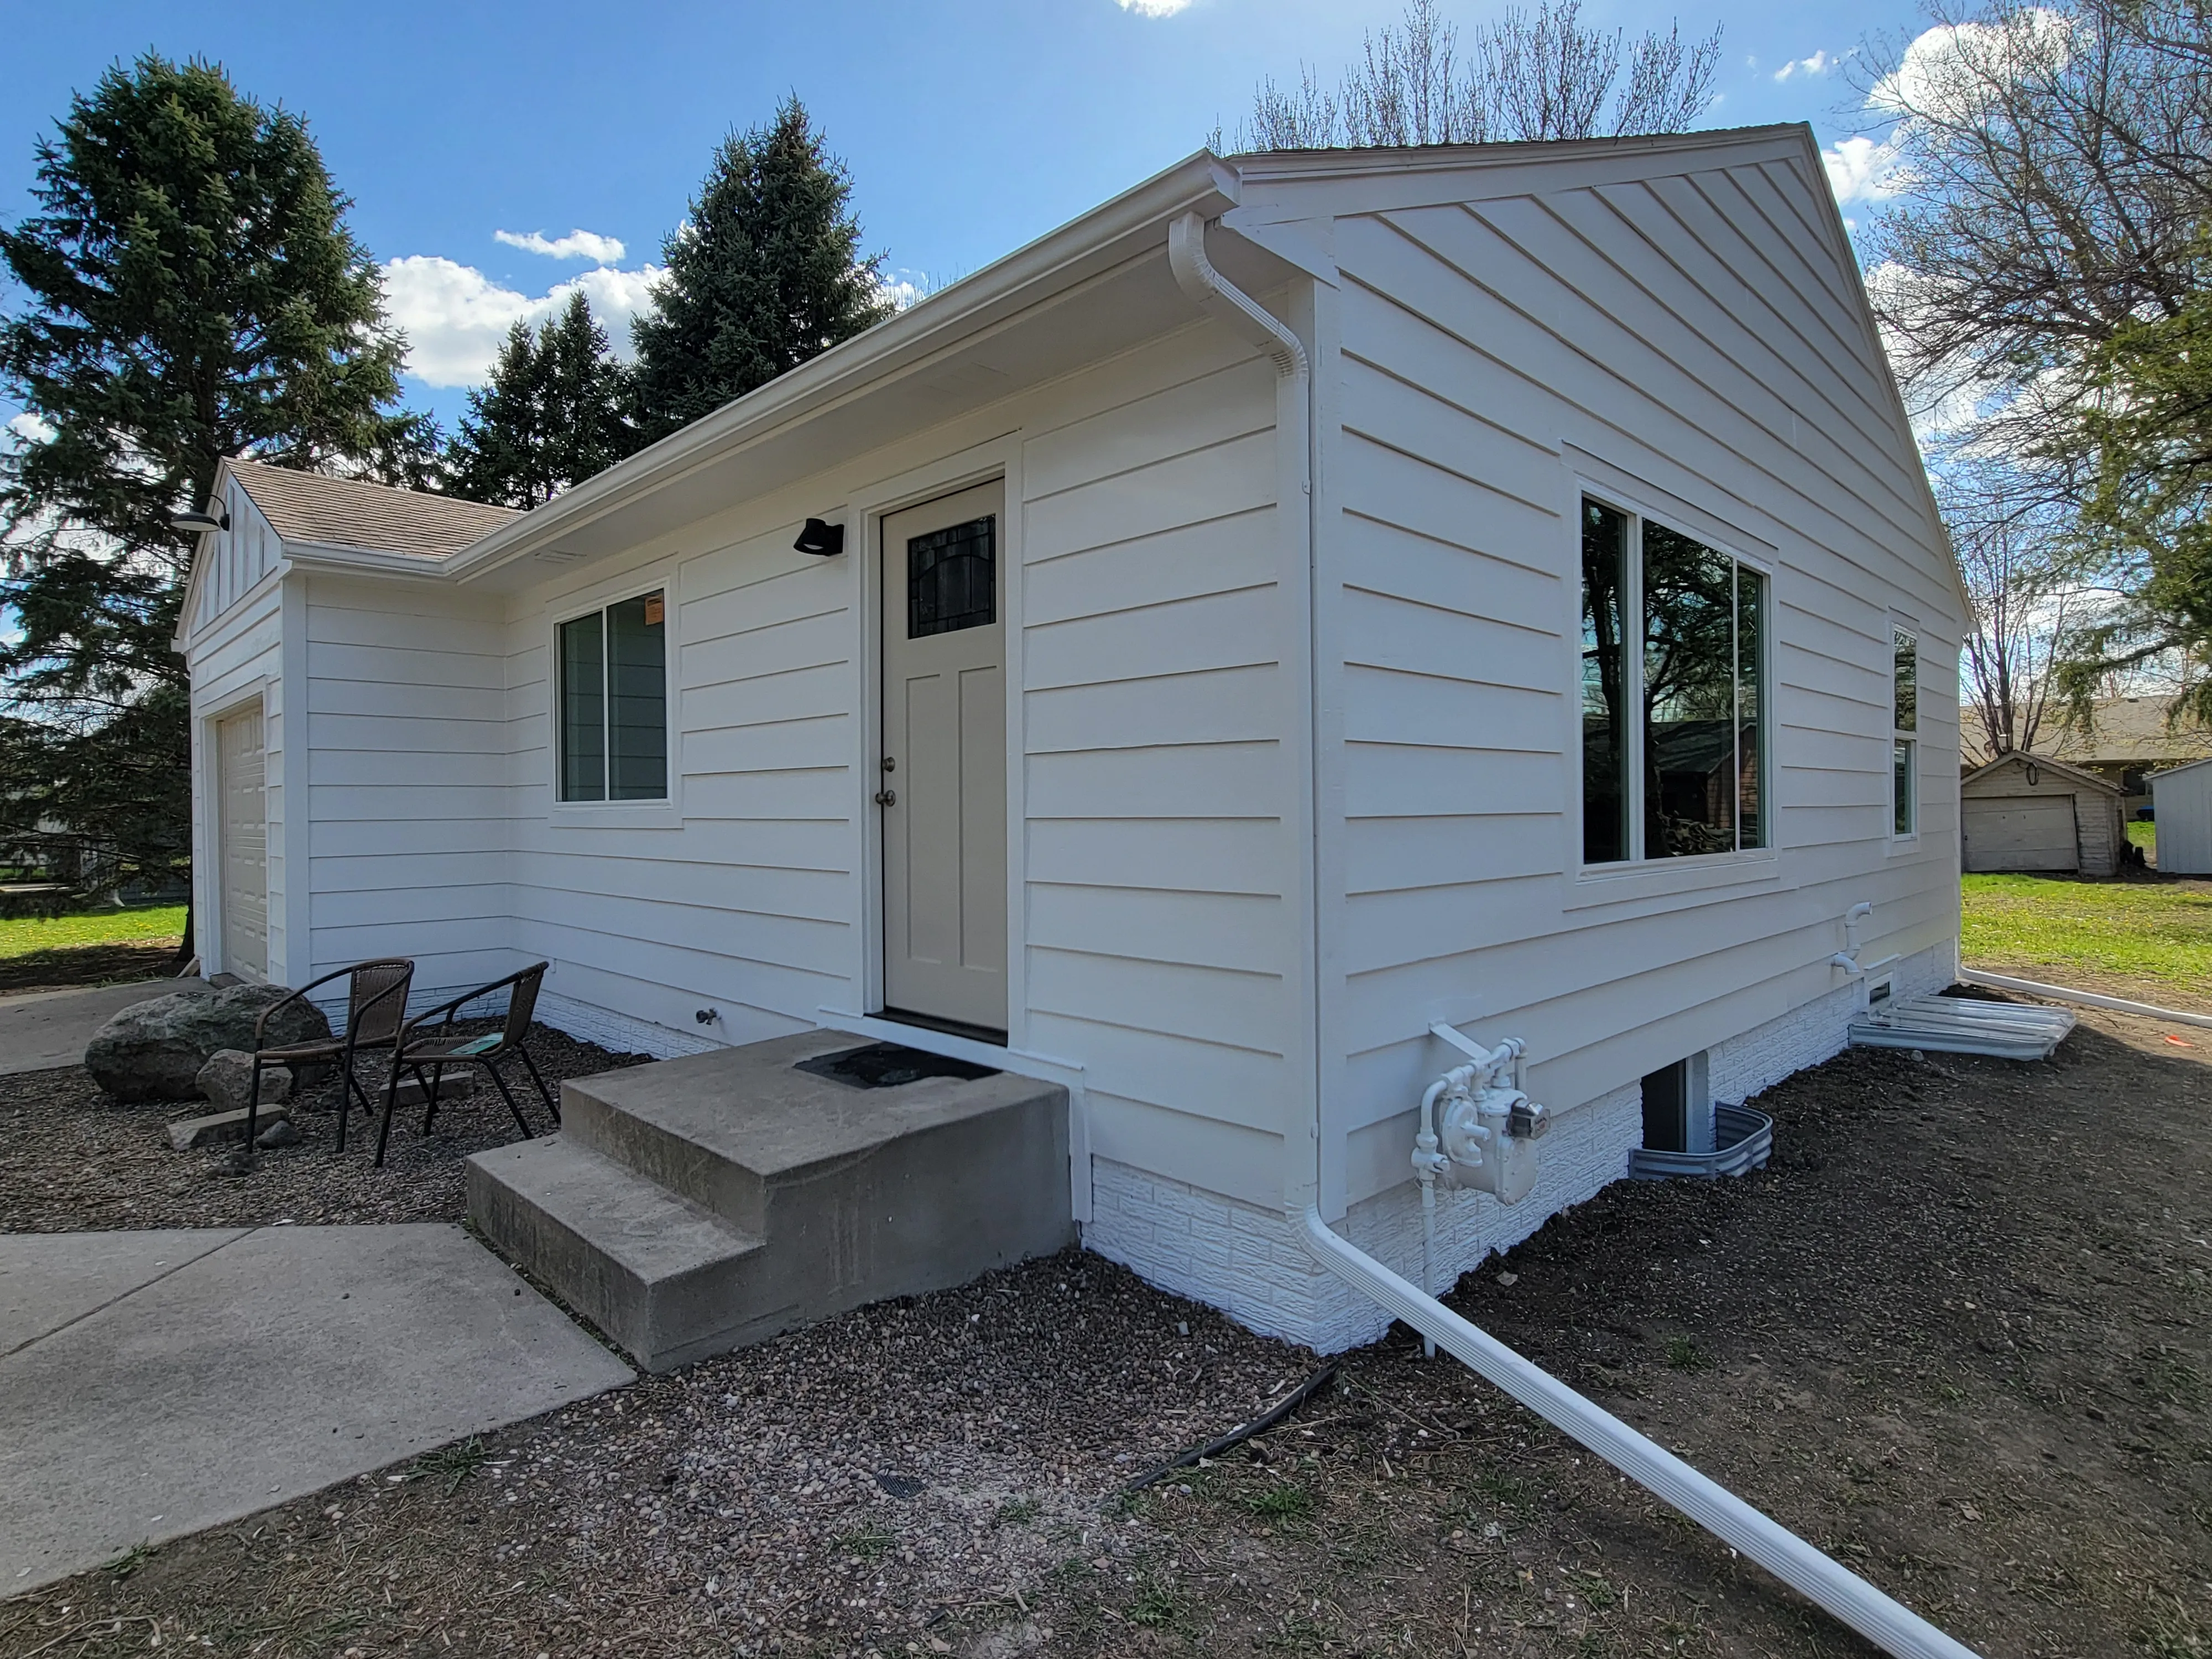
(1887,1623)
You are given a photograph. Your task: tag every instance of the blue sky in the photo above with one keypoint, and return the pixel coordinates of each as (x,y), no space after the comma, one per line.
(969,125)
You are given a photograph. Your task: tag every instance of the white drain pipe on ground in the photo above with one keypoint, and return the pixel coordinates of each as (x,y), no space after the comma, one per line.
(2088,999)
(1890,1626)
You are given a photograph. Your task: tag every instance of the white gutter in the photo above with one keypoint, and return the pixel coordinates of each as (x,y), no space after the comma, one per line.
(1887,1623)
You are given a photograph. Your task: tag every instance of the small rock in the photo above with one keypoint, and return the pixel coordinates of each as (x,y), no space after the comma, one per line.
(1509,1280)
(216,1128)
(282,1133)
(228,1074)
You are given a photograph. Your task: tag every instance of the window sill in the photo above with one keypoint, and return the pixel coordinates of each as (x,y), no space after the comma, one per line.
(1594,885)
(616,815)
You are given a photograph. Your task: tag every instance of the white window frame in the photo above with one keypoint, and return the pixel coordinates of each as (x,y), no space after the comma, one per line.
(664,811)
(1638,862)
(1909,808)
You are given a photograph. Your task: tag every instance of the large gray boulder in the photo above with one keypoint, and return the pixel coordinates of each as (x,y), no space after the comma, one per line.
(155,1050)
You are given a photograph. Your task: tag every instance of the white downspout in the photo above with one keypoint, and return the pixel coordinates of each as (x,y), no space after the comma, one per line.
(1890,1626)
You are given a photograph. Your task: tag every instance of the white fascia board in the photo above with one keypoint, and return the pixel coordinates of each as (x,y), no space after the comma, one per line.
(1201,182)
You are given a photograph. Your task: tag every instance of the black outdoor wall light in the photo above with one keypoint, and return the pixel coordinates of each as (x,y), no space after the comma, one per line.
(821,537)
(193,523)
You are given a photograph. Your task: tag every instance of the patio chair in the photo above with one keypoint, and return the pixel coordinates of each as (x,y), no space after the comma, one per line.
(376,1005)
(444,1047)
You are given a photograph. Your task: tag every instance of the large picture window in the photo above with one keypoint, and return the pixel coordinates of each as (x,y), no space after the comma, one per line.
(1674,665)
(613,701)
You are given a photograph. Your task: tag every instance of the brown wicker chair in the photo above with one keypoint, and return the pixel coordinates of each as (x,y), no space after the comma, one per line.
(376,1007)
(444,1047)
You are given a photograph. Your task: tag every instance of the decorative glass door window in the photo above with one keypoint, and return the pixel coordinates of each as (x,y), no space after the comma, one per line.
(613,703)
(951,579)
(1674,667)
(1904,733)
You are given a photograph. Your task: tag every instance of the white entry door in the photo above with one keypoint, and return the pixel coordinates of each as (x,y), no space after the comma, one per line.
(241,774)
(942,781)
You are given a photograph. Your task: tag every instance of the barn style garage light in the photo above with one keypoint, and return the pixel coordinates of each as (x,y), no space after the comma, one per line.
(193,523)
(820,538)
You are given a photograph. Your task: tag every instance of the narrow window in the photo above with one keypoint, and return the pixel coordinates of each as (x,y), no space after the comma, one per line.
(1904,698)
(613,701)
(1605,690)
(1674,652)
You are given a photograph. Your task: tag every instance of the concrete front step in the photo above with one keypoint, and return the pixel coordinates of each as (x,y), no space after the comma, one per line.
(695,1204)
(665,1278)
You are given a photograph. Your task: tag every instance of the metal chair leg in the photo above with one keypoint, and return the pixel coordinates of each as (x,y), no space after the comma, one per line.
(520,1121)
(552,1101)
(430,1088)
(352,1091)
(390,1101)
(252,1104)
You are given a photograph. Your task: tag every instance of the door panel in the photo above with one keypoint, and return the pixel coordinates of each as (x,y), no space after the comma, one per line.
(943,765)
(241,767)
(2020,832)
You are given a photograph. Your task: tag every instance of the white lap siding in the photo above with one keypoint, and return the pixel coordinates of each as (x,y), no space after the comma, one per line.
(1163,846)
(406,715)
(1674,340)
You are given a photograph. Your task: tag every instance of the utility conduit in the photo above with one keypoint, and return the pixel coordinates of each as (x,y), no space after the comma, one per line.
(1891,1626)
(1887,1623)
(2086,999)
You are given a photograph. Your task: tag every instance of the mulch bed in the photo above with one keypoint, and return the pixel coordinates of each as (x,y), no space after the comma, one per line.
(72,1160)
(1956,1335)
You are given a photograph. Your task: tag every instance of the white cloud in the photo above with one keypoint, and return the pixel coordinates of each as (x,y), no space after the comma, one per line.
(1948,69)
(576,244)
(902,289)
(29,429)
(1818,63)
(1155,7)
(455,317)
(1863,169)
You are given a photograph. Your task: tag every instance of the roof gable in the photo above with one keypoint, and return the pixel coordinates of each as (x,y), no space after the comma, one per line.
(2042,762)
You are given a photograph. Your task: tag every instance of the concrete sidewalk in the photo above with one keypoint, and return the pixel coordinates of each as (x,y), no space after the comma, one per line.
(155,1383)
(42,1030)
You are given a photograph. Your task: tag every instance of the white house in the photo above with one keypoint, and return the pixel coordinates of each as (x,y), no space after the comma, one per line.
(1309,597)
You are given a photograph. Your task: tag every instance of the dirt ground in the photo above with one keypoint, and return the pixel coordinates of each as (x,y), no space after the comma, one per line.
(72,1160)
(1956,1334)
(88,964)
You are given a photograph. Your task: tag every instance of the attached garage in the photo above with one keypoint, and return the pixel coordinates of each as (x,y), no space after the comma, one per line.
(241,780)
(2027,812)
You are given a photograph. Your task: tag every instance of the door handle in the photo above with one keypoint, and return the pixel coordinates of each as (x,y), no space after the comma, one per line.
(887,797)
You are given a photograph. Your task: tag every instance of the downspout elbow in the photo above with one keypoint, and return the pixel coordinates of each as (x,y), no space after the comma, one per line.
(1226,303)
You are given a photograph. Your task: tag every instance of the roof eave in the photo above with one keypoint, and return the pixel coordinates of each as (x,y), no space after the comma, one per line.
(1202,182)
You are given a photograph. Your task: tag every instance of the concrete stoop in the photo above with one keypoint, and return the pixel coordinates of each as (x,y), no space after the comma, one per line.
(695,1205)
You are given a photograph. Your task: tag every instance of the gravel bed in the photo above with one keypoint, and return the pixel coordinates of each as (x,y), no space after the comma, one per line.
(71,1159)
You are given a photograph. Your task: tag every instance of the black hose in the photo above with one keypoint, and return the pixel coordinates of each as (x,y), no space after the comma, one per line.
(1259,1424)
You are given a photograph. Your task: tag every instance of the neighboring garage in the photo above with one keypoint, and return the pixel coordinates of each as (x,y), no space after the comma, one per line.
(2181,801)
(2028,812)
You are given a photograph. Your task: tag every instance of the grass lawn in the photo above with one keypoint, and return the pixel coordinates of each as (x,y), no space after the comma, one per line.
(2144,835)
(25,936)
(2158,934)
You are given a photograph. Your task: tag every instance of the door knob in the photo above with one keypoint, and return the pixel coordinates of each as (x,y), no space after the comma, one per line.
(886,797)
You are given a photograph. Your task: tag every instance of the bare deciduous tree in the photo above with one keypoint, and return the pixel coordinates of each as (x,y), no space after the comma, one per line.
(2028,607)
(1530,75)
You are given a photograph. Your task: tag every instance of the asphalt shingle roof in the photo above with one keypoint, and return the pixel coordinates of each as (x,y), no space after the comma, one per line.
(313,507)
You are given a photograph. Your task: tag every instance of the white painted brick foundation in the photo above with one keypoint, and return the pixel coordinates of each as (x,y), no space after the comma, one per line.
(1247,1262)
(618,1032)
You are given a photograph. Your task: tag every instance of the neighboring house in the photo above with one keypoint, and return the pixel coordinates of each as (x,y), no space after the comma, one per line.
(2123,742)
(1512,619)
(2031,812)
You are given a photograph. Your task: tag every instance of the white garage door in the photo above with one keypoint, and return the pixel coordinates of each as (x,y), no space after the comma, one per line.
(240,771)
(2020,832)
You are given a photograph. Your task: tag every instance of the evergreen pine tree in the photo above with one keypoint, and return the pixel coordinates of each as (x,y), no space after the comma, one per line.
(188,291)
(766,273)
(550,417)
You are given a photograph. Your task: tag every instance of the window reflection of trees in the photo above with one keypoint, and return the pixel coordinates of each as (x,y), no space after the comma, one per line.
(1693,746)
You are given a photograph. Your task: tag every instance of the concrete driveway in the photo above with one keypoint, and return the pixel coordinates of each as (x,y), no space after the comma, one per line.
(155,1383)
(42,1030)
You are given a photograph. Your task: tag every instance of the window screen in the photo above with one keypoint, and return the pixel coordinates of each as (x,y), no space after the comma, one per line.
(613,701)
(951,579)
(1904,748)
